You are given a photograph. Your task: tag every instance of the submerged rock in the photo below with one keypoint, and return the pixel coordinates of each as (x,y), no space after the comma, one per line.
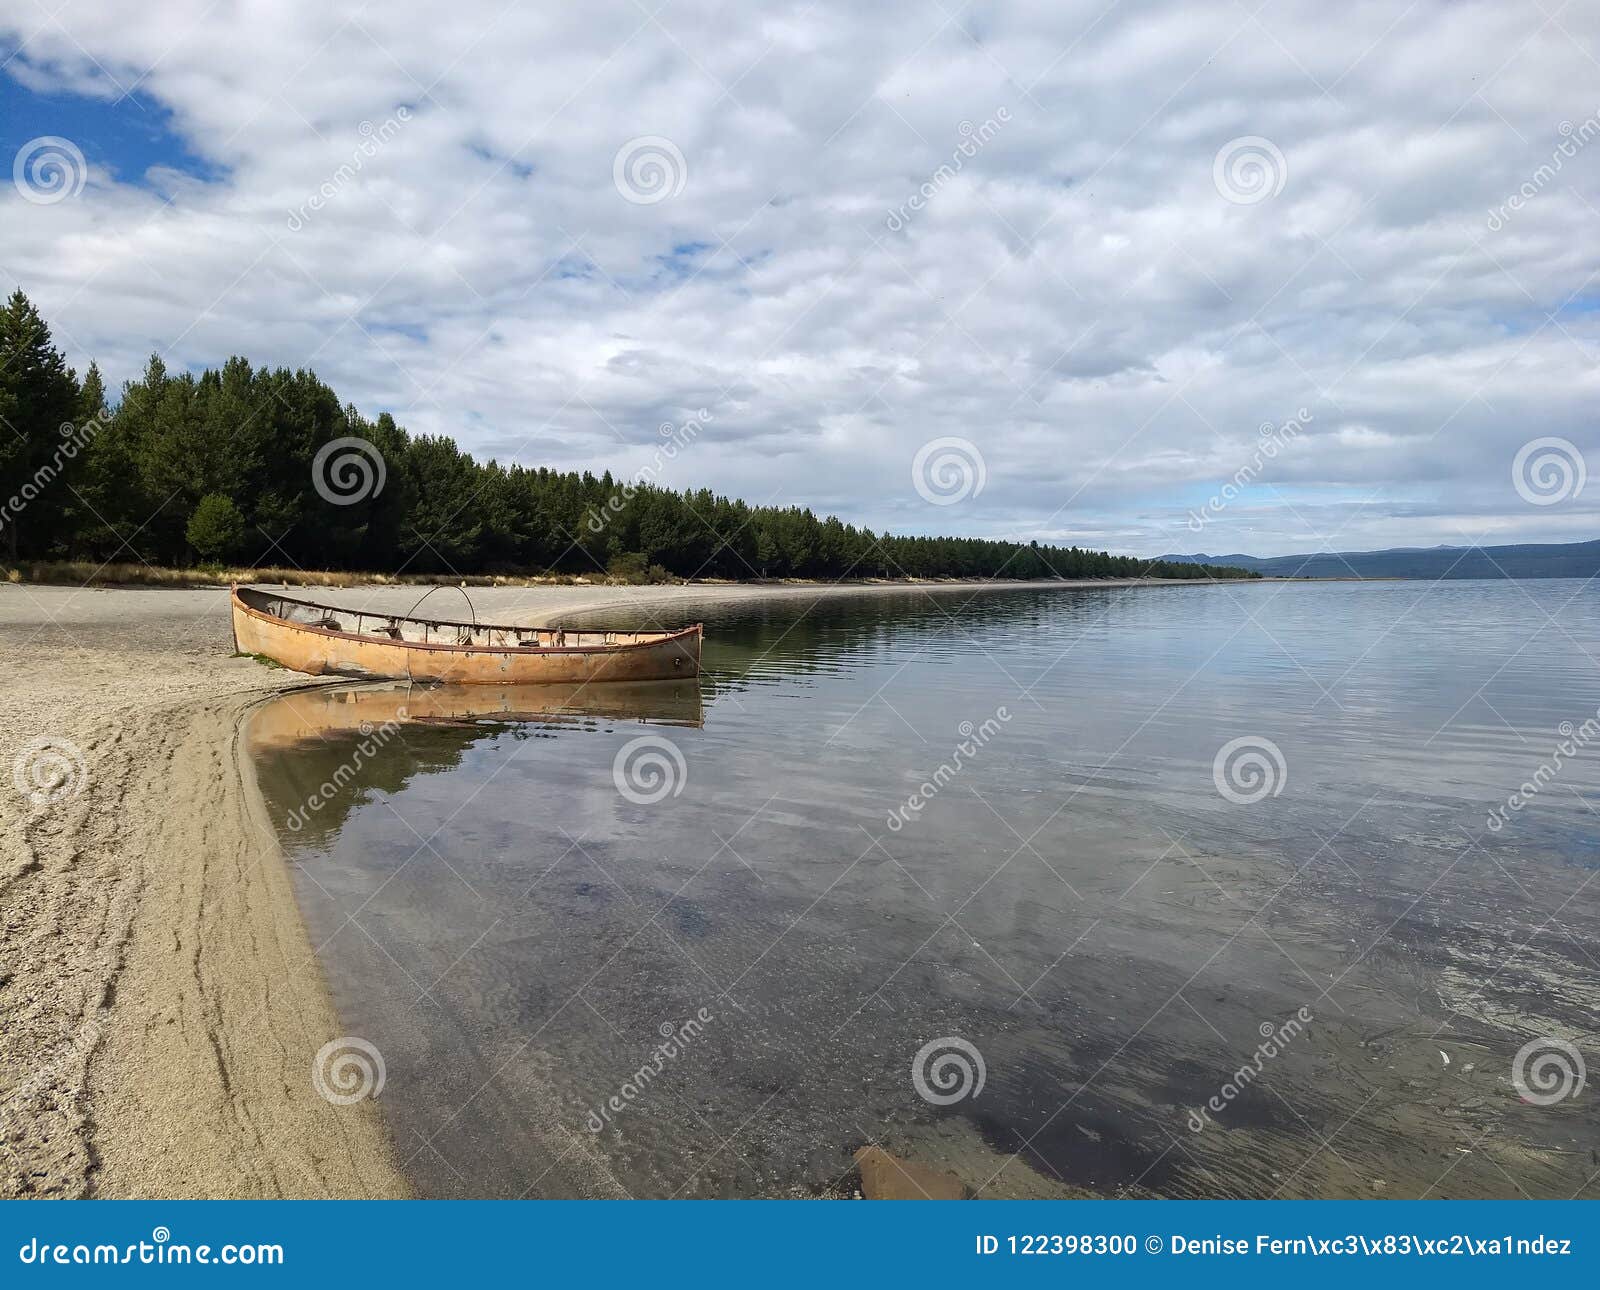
(887,1177)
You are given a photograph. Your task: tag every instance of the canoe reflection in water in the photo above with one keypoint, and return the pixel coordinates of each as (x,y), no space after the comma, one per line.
(353,742)
(323,712)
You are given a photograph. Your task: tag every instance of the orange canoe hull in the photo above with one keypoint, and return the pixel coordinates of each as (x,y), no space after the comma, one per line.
(579,657)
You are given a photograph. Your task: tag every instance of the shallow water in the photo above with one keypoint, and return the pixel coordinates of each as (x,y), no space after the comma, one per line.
(1071,903)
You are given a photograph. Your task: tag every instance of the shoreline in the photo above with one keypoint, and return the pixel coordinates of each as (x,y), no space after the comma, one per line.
(160,1000)
(125,577)
(205,1089)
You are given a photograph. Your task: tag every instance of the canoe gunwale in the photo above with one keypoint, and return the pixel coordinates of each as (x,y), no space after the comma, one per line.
(402,646)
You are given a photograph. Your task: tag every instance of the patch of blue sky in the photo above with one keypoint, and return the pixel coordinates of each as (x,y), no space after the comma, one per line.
(126,134)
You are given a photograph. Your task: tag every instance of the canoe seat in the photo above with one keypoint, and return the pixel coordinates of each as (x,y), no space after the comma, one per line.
(329,622)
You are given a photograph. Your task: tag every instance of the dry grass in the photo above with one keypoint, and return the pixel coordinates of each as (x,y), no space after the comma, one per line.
(83,573)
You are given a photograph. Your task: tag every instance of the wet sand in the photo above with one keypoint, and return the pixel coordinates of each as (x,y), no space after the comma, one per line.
(160,1000)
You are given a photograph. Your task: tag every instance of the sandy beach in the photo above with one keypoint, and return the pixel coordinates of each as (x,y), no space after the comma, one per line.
(160,998)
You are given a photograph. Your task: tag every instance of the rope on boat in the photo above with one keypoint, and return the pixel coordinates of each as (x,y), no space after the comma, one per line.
(471,608)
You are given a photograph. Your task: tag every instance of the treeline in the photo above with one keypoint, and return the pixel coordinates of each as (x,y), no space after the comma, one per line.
(224,467)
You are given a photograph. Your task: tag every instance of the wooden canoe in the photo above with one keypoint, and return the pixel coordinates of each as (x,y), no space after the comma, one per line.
(327,640)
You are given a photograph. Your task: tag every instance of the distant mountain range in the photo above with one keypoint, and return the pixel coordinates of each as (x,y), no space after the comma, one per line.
(1524,560)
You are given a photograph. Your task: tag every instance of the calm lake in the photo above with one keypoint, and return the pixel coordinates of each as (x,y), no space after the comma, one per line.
(1172,890)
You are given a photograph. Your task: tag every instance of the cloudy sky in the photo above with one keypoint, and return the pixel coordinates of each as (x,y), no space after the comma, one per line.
(1102,244)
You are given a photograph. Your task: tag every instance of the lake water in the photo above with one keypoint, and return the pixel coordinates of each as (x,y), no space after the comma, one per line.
(962,874)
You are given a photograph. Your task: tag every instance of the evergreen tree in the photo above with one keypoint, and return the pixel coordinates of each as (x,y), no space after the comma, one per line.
(38,407)
(216,528)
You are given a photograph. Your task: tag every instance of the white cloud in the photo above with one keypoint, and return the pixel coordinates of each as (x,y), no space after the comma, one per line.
(1079,300)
